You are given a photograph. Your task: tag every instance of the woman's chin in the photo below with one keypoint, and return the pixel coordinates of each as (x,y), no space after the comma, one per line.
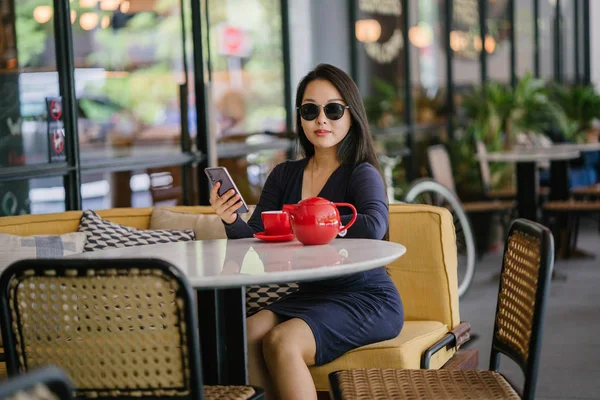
(324,142)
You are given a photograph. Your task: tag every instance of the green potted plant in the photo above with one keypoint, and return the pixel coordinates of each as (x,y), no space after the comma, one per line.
(384,107)
(427,106)
(580,105)
(496,115)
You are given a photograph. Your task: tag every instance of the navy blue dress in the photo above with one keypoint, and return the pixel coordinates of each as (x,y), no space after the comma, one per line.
(347,312)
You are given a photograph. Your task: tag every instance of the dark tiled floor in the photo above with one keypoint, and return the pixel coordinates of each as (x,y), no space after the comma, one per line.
(570,362)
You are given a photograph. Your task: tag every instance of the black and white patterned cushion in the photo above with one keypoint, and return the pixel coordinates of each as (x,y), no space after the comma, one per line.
(103,234)
(260,296)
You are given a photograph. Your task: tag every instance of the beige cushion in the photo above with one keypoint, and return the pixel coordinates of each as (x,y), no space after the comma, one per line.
(404,351)
(206,226)
(14,248)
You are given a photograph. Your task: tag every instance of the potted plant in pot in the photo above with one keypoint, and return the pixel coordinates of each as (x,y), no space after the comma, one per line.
(497,115)
(581,106)
(428,106)
(384,107)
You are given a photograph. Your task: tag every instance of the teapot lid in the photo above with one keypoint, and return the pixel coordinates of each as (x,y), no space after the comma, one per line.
(313,201)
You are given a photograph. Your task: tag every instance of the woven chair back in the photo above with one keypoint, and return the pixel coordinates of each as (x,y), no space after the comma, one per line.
(440,166)
(117,327)
(524,284)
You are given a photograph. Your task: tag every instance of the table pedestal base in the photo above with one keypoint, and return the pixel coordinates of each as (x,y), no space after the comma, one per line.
(222,323)
(527,182)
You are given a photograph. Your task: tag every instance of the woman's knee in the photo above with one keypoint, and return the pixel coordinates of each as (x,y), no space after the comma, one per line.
(289,340)
(258,325)
(275,344)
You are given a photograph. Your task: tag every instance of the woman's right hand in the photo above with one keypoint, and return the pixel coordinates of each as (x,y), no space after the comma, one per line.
(226,205)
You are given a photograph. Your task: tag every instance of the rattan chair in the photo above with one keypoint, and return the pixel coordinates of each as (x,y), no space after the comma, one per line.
(119,328)
(47,383)
(524,285)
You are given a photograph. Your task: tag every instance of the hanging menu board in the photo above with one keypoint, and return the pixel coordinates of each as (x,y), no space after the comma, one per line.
(56,129)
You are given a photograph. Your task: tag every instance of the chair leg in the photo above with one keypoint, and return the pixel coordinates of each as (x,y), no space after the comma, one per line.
(569,236)
(575,232)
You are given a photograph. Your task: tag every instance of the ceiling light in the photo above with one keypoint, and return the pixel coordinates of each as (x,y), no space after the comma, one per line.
(42,14)
(368,30)
(88,3)
(109,5)
(88,21)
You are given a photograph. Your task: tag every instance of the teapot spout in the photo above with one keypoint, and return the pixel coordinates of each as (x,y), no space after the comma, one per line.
(289,208)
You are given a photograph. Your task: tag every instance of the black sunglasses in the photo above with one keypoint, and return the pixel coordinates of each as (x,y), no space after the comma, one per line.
(333,111)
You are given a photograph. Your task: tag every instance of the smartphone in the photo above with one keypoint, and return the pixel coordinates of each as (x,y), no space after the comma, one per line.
(220,174)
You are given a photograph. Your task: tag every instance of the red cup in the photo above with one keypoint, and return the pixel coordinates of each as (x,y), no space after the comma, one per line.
(276,223)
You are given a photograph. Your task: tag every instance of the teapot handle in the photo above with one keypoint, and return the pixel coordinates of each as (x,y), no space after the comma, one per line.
(349,224)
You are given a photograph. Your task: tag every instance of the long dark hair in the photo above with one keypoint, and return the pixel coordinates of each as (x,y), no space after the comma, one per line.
(357,146)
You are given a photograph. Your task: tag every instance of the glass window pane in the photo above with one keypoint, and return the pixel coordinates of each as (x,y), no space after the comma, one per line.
(568,41)
(465,41)
(427,48)
(27,76)
(129,69)
(525,45)
(247,87)
(428,62)
(316,38)
(381,76)
(136,188)
(33,196)
(497,41)
(546,27)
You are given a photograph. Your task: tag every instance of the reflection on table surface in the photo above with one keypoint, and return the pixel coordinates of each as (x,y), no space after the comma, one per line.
(230,263)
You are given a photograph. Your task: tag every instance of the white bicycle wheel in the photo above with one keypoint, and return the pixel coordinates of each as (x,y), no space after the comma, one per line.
(427,191)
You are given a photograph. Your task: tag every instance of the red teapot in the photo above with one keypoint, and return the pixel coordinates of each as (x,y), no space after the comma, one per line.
(317,220)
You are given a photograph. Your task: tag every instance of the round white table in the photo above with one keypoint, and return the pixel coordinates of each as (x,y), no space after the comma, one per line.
(219,270)
(531,155)
(582,147)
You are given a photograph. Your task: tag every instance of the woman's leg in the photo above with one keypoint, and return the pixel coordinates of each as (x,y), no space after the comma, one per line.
(289,348)
(257,326)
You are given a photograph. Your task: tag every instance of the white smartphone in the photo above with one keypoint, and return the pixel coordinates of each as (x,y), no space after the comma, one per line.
(220,174)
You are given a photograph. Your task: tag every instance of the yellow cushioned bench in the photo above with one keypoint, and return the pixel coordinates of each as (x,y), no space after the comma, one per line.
(425,277)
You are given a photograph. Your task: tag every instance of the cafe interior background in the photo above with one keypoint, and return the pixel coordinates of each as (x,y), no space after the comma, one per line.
(150,92)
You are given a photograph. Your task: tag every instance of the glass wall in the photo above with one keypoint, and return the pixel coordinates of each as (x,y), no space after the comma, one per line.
(32,196)
(247,97)
(567,41)
(27,77)
(546,29)
(135,188)
(135,91)
(428,62)
(524,37)
(129,69)
(465,41)
(246,64)
(381,78)
(497,41)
